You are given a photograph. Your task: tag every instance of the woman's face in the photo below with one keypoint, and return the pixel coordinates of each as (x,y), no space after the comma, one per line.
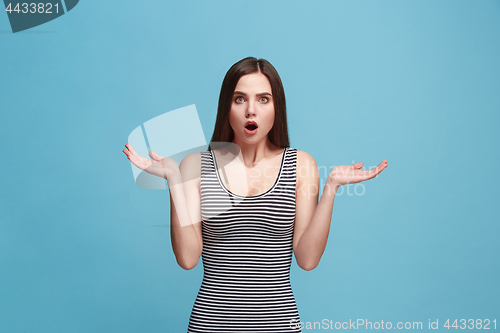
(252,110)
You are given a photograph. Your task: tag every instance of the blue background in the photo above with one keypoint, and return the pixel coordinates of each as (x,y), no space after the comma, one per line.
(415,83)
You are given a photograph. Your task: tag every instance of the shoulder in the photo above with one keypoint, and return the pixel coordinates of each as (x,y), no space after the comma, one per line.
(307,169)
(191,165)
(194,158)
(305,159)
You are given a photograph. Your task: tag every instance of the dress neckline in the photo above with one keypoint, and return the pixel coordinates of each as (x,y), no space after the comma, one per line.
(251,196)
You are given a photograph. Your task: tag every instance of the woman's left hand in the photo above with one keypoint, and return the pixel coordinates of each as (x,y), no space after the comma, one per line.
(351,174)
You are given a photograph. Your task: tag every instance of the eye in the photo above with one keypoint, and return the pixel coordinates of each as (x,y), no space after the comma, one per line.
(264,99)
(239,99)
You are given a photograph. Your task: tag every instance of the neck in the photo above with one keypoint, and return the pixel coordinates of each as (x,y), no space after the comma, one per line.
(252,154)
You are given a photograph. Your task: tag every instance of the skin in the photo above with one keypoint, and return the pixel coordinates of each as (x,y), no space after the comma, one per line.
(259,161)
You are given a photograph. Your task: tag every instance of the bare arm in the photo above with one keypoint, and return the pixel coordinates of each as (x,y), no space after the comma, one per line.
(312,219)
(185,208)
(185,212)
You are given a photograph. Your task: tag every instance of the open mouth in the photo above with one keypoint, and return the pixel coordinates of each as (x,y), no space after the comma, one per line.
(251,127)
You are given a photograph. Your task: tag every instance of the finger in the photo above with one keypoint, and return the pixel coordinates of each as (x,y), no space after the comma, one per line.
(367,174)
(129,155)
(132,151)
(135,158)
(358,165)
(156,156)
(375,171)
(382,165)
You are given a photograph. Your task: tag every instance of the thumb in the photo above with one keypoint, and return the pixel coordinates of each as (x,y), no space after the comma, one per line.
(358,165)
(155,156)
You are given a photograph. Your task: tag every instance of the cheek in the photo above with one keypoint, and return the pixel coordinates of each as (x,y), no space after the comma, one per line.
(271,119)
(232,119)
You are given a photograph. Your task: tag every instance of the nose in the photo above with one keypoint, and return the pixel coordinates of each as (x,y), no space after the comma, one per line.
(250,109)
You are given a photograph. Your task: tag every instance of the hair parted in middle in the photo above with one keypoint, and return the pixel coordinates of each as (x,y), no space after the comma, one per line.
(278,135)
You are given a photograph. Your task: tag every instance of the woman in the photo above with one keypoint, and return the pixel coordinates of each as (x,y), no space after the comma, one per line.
(246,204)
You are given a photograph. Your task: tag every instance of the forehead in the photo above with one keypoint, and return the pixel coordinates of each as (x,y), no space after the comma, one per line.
(255,82)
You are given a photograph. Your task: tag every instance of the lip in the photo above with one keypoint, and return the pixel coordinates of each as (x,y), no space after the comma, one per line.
(247,131)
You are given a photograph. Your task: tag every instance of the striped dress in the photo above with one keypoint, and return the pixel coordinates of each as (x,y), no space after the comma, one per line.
(247,253)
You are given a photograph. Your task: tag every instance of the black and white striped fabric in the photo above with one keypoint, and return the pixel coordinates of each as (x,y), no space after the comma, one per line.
(247,253)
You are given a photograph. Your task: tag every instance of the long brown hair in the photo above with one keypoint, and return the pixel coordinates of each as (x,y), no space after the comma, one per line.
(278,135)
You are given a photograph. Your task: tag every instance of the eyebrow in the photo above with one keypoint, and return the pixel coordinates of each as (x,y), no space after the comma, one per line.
(259,94)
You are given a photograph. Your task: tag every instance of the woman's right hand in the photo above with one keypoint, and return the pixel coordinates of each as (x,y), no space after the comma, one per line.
(160,166)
